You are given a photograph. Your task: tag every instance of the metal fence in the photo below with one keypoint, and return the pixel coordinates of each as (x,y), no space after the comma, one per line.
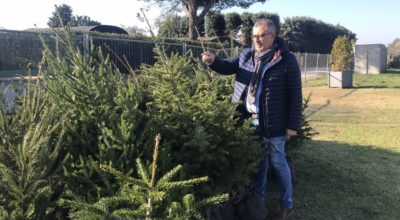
(313,65)
(19,48)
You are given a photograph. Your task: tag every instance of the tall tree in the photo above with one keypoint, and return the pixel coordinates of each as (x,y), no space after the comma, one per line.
(195,10)
(67,18)
(173,26)
(215,24)
(61,16)
(305,34)
(233,22)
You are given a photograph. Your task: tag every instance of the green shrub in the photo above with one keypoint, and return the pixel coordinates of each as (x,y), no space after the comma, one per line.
(342,54)
(233,22)
(306,132)
(193,112)
(30,156)
(105,122)
(247,29)
(145,197)
(173,26)
(215,24)
(112,118)
(308,35)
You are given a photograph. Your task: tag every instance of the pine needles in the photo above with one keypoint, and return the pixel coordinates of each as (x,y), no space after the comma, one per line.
(30,156)
(143,198)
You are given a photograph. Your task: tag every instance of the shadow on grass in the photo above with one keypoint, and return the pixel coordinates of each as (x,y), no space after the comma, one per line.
(320,108)
(342,181)
(347,94)
(376,87)
(392,71)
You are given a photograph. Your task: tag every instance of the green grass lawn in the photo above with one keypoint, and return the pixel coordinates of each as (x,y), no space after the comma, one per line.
(389,79)
(351,170)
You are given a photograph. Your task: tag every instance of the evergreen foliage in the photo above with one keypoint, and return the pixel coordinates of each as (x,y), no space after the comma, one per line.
(30,156)
(201,28)
(82,21)
(342,57)
(247,29)
(111,118)
(193,111)
(173,26)
(233,22)
(306,132)
(305,34)
(142,198)
(196,10)
(215,25)
(62,15)
(105,122)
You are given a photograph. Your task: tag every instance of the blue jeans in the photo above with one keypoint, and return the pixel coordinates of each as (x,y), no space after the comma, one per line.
(277,158)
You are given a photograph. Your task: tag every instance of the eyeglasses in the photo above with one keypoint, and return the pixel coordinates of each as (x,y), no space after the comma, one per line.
(260,36)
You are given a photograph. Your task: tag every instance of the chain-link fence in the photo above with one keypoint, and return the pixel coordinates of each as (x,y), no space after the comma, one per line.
(313,65)
(19,48)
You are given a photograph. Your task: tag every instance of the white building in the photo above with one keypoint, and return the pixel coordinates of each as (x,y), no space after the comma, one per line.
(370,58)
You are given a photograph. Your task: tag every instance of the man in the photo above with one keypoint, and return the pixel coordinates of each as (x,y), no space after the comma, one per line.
(268,81)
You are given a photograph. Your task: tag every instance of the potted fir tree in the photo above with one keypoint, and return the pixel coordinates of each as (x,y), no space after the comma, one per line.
(341,60)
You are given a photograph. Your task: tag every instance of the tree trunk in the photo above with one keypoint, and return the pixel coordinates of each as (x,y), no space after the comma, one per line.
(191,13)
(191,7)
(193,26)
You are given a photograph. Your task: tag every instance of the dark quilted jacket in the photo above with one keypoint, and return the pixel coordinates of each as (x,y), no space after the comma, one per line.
(281,88)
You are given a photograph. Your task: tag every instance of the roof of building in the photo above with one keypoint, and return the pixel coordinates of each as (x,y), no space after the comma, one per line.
(98,28)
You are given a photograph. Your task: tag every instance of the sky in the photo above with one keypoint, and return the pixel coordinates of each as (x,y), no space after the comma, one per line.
(372,21)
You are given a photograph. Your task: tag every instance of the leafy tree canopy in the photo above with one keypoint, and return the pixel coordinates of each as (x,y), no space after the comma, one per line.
(62,16)
(82,21)
(215,24)
(173,26)
(195,10)
(232,21)
(305,34)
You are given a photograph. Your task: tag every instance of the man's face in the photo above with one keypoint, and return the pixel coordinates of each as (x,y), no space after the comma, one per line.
(262,38)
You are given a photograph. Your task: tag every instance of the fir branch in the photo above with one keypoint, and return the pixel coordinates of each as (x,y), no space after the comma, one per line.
(169,175)
(116,200)
(181,184)
(142,172)
(126,213)
(29,160)
(213,200)
(123,177)
(201,42)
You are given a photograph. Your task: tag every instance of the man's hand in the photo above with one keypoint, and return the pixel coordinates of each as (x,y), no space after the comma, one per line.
(208,57)
(290,133)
